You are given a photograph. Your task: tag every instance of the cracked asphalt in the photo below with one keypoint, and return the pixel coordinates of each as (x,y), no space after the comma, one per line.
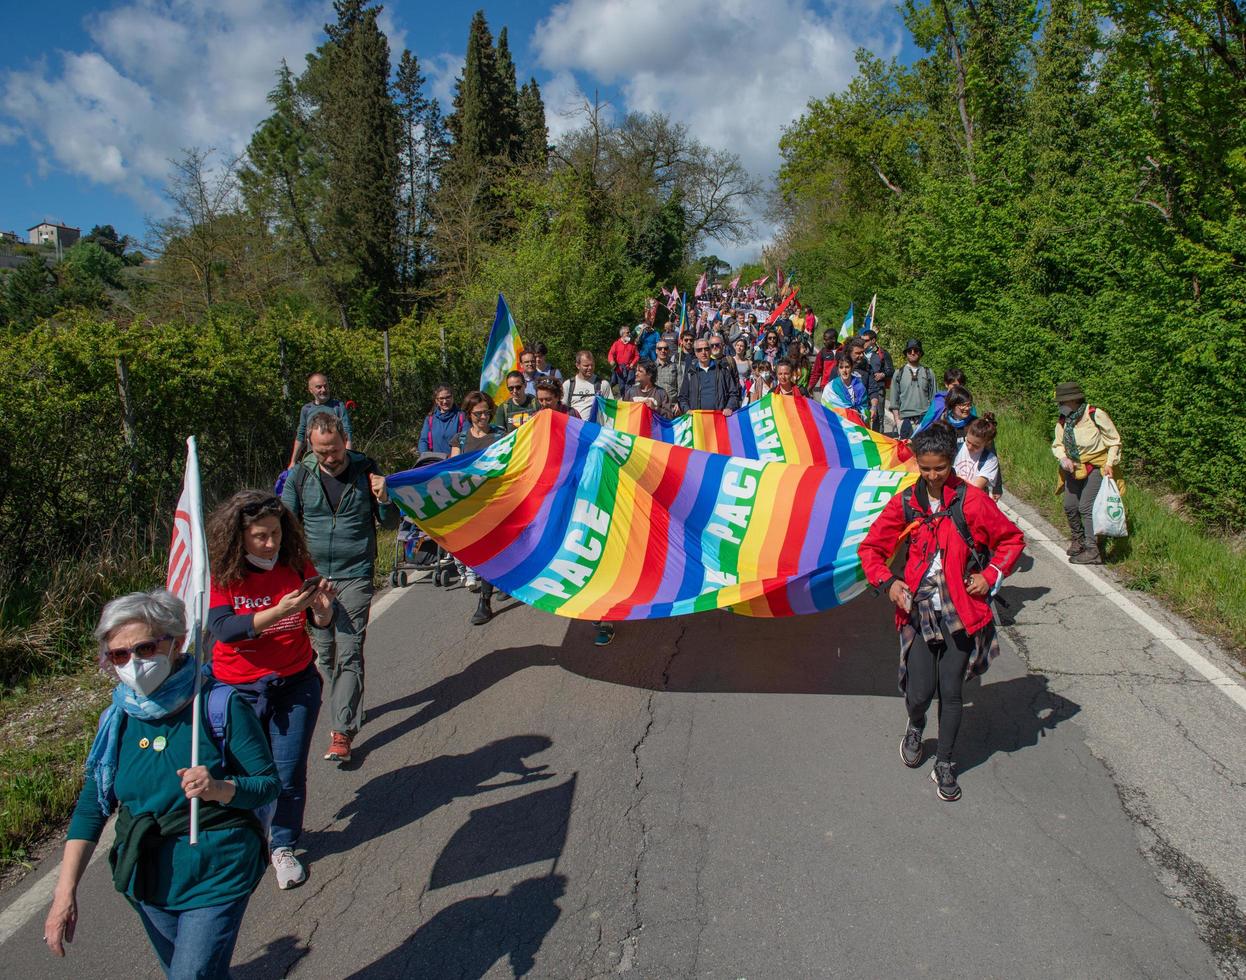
(722,797)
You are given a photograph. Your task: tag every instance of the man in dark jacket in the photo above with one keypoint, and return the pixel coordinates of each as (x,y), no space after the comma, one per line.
(340,497)
(707,385)
(882,369)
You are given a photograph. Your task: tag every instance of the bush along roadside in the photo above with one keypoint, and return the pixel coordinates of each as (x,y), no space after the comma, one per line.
(1196,572)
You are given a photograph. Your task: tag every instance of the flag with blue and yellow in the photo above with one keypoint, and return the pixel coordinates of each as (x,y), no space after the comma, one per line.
(501,353)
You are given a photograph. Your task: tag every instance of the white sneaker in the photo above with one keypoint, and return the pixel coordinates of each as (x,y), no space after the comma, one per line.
(471,581)
(290,873)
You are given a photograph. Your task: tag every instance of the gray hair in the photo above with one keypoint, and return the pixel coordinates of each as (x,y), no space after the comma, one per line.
(326,422)
(159,609)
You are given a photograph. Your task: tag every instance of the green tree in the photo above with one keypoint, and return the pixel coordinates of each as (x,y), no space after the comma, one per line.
(28,294)
(533,133)
(359,128)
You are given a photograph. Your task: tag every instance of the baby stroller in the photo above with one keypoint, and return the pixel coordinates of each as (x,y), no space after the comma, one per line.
(416,553)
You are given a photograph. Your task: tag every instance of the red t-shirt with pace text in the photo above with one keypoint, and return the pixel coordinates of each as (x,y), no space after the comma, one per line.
(284,648)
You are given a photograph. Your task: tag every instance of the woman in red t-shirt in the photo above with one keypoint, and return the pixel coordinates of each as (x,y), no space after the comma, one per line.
(264,589)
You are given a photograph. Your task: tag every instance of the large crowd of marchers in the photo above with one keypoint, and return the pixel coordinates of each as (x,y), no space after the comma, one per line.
(292,588)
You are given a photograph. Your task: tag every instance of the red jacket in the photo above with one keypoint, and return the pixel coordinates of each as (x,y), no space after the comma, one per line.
(988,526)
(823,368)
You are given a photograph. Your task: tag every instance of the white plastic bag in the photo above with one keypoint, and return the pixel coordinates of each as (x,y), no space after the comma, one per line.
(1108,517)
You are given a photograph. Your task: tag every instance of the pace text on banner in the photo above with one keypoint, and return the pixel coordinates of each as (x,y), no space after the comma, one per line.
(501,353)
(593,523)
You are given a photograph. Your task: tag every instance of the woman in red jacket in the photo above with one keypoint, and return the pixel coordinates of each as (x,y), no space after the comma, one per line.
(960,548)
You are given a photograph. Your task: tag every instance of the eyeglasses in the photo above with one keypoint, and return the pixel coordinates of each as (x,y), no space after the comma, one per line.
(661,347)
(701,350)
(121,655)
(447,397)
(270,506)
(481,415)
(515,387)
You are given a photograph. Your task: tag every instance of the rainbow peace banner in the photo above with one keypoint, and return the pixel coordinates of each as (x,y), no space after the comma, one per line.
(501,353)
(590,522)
(790,430)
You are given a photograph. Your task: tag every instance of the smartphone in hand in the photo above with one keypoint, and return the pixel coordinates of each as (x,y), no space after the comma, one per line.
(311,583)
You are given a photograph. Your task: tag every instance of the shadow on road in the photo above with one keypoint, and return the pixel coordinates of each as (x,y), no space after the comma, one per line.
(402,796)
(1006,716)
(465,939)
(525,830)
(275,961)
(1017,598)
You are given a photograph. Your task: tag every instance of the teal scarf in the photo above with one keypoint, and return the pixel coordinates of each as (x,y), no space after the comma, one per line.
(168,699)
(1070,440)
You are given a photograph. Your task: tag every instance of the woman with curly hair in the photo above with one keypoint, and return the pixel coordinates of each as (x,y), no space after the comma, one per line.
(264,590)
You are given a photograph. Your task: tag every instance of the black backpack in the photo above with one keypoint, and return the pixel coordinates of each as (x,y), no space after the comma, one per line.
(980,557)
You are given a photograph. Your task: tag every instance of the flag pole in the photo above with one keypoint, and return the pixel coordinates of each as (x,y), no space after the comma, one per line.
(196,641)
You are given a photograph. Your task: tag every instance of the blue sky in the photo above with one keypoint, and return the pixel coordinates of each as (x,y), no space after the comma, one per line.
(96,97)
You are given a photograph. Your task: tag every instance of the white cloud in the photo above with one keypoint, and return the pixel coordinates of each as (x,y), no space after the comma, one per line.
(734,71)
(442,71)
(162,75)
(566,105)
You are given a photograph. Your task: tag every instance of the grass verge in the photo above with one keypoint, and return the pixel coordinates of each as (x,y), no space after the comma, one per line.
(1197,573)
(45,733)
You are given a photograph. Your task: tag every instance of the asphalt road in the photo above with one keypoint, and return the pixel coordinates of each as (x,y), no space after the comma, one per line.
(722,797)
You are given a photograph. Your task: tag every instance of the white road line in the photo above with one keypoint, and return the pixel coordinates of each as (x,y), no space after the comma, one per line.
(34,901)
(1231,687)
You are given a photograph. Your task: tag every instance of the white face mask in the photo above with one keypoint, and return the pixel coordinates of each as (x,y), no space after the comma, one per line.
(145,674)
(265,564)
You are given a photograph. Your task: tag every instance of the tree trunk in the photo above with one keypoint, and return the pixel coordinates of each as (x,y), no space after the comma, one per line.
(129,431)
(389,385)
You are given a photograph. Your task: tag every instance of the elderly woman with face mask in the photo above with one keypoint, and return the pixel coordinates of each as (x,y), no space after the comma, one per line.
(1088,448)
(190,899)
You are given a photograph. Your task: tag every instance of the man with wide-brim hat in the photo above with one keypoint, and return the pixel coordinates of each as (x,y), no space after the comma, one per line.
(1088,448)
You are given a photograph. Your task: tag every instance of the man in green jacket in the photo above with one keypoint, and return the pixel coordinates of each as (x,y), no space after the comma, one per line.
(340,497)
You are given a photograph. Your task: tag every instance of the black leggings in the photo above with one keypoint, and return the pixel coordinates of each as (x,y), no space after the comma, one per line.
(939,669)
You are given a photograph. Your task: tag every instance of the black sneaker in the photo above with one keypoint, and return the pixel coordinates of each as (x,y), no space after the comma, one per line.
(911,748)
(943,775)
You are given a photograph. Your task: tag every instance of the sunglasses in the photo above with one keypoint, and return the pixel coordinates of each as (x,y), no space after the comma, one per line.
(481,415)
(661,347)
(121,655)
(270,506)
(701,350)
(515,387)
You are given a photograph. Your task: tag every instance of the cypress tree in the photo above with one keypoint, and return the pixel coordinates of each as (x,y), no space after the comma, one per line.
(533,136)
(475,123)
(510,136)
(361,129)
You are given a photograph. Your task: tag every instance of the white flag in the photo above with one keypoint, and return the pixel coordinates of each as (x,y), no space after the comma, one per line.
(188,552)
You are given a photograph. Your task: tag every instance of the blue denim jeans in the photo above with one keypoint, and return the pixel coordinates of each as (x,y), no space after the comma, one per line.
(288,709)
(195,944)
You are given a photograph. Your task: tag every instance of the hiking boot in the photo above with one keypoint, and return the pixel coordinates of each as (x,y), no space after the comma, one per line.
(290,873)
(605,633)
(943,775)
(911,748)
(483,613)
(339,748)
(1076,547)
(1089,555)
